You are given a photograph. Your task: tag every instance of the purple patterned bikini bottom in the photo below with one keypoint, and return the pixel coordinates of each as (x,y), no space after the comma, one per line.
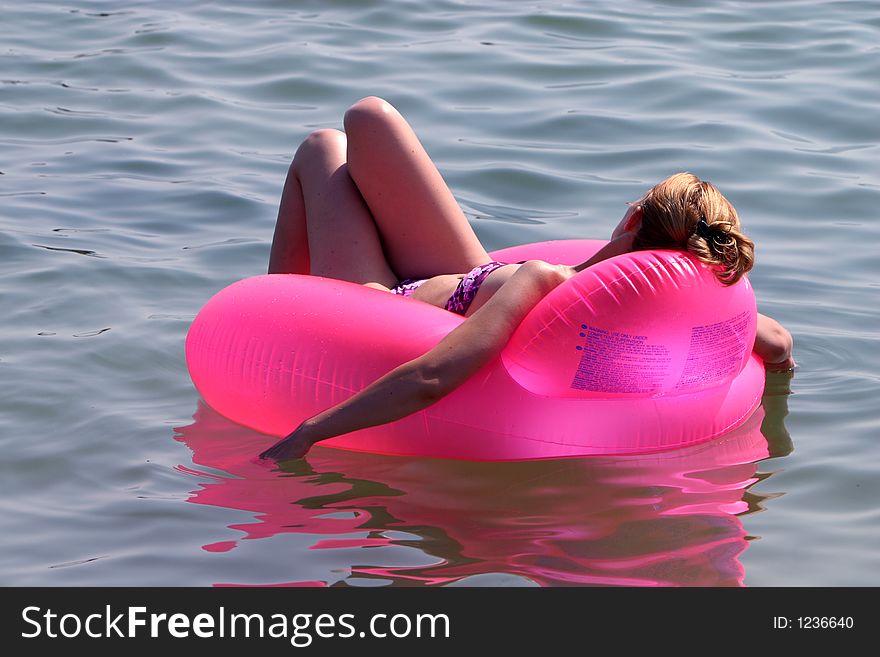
(464,294)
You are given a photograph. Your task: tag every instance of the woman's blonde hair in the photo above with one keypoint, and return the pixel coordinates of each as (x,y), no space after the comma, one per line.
(684,212)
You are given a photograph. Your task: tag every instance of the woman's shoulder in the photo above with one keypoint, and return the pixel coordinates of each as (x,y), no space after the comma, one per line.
(549,268)
(548,273)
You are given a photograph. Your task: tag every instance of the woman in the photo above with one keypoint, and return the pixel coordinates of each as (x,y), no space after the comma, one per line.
(369,206)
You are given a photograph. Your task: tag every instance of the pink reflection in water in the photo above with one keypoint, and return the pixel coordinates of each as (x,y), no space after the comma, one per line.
(659,520)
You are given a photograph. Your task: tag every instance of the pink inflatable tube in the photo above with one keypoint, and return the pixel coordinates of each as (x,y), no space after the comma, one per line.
(640,353)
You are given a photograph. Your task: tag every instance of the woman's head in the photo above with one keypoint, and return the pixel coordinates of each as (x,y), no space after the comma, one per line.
(684,212)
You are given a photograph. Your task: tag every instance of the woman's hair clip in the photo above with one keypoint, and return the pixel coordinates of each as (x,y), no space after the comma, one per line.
(717,237)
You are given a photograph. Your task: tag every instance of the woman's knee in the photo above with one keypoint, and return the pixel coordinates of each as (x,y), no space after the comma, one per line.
(368,113)
(322,144)
(322,140)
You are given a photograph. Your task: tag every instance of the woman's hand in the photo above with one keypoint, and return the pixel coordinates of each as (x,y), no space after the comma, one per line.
(787,365)
(293,446)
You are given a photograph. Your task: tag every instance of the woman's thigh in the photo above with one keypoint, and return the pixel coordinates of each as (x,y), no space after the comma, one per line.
(342,236)
(424,232)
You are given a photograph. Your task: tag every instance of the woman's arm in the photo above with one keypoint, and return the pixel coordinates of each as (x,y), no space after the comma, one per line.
(774,344)
(420,382)
(617,245)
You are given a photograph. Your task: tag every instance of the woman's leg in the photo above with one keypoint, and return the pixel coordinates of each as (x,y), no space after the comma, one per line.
(290,244)
(424,232)
(324,227)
